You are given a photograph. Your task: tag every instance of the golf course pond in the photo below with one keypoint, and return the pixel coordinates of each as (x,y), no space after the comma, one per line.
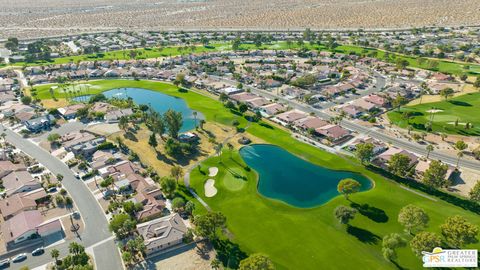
(160,103)
(286,177)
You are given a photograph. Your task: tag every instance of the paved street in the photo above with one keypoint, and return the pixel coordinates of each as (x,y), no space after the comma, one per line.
(398,142)
(106,254)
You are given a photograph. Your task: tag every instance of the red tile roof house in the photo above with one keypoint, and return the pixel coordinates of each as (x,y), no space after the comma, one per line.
(310,122)
(242,97)
(365,105)
(21,227)
(6,167)
(378,100)
(383,159)
(422,167)
(291,116)
(122,168)
(15,204)
(353,111)
(19,182)
(272,109)
(150,196)
(162,233)
(333,133)
(257,102)
(70,112)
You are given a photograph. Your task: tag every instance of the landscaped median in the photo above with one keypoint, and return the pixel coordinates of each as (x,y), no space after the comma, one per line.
(297,238)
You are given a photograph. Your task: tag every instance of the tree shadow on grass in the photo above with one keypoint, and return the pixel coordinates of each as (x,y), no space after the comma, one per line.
(363,235)
(229,253)
(460,103)
(371,212)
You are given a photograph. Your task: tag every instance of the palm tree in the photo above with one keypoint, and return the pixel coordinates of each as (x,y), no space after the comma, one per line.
(55,254)
(460,146)
(215,264)
(195,116)
(176,172)
(429,149)
(459,155)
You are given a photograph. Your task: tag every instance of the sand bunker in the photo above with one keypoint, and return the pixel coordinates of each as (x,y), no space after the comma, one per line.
(434,111)
(212,171)
(210,189)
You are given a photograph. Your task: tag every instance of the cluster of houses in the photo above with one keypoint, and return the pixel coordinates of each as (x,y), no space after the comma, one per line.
(22,196)
(382,155)
(159,226)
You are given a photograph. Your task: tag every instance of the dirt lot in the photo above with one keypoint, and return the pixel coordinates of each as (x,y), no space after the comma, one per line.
(192,259)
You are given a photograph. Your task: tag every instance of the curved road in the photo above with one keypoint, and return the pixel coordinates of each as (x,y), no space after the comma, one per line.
(96,236)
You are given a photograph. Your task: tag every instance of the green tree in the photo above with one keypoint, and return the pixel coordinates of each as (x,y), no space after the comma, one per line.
(123,123)
(243,108)
(127,257)
(189,207)
(435,175)
(458,232)
(390,243)
(476,84)
(425,241)
(176,172)
(53,137)
(168,186)
(178,204)
(75,248)
(398,101)
(474,193)
(223,97)
(446,93)
(344,214)
(256,262)
(55,254)
(348,186)
(122,225)
(429,149)
(460,146)
(215,264)
(26,100)
(413,218)
(208,224)
(364,152)
(174,122)
(399,164)
(152,140)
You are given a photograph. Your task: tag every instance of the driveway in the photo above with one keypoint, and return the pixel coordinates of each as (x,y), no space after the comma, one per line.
(96,225)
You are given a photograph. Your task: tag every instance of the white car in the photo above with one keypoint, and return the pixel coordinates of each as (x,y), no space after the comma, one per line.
(19,257)
(5,263)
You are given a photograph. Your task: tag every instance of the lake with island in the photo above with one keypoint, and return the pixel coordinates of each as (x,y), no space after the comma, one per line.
(286,177)
(160,103)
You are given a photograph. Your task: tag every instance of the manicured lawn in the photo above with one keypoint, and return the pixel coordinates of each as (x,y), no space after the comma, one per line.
(445,66)
(299,238)
(464,108)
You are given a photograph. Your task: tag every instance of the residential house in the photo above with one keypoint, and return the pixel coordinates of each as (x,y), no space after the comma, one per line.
(39,123)
(422,166)
(15,204)
(272,109)
(291,116)
(333,133)
(114,116)
(70,112)
(19,182)
(21,227)
(383,159)
(162,233)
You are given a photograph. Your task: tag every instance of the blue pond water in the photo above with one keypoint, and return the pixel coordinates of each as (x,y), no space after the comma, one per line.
(160,102)
(288,178)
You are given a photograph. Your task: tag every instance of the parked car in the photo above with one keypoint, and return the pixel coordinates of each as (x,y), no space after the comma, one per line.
(52,189)
(19,257)
(38,251)
(5,263)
